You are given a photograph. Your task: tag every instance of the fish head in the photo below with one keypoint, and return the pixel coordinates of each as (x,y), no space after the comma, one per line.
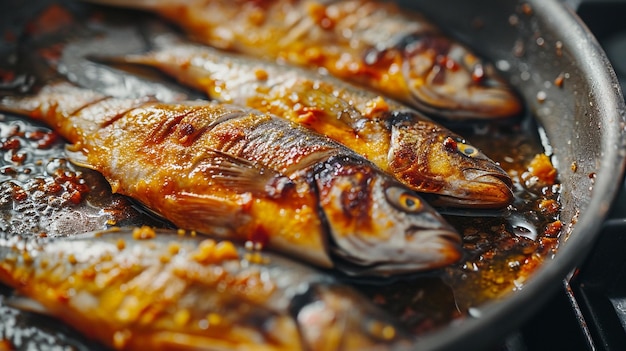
(334,317)
(430,158)
(378,226)
(445,78)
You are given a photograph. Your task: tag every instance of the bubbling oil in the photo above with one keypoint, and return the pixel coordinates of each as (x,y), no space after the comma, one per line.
(502,248)
(42,193)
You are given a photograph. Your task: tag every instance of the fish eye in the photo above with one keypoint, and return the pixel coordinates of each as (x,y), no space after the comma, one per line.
(403,199)
(467,150)
(458,144)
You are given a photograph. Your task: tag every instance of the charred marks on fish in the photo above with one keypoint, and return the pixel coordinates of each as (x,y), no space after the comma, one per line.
(193,293)
(240,154)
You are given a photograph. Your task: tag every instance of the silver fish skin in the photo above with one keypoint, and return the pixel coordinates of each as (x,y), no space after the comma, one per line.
(138,288)
(378,44)
(235,172)
(417,151)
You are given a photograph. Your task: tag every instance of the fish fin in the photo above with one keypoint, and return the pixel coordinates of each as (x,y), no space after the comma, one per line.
(244,176)
(27,304)
(77,156)
(217,211)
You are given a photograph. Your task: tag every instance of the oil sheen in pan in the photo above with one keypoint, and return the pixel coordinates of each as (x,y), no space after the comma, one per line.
(499,255)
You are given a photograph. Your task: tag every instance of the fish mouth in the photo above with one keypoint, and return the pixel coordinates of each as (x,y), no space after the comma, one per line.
(485,191)
(424,252)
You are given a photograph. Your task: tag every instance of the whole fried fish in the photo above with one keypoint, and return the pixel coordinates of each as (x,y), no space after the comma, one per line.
(146,289)
(420,153)
(374,43)
(250,175)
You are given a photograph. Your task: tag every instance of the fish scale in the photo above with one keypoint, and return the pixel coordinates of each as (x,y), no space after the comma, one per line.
(138,288)
(378,44)
(399,140)
(248,176)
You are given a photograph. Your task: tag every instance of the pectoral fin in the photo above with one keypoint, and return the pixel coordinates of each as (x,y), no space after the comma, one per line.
(243,176)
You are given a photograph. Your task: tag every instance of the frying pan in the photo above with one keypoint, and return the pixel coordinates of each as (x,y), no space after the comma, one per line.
(583,119)
(534,42)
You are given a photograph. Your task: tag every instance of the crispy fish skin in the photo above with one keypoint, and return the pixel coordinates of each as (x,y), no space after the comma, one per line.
(146,289)
(238,173)
(374,43)
(420,153)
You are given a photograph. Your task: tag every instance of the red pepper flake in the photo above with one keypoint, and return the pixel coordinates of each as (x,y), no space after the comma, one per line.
(52,188)
(75,197)
(19,194)
(18,157)
(47,140)
(10,144)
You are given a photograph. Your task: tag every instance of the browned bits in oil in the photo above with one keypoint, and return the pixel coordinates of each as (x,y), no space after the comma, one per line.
(45,139)
(558,81)
(527,9)
(18,157)
(549,206)
(574,166)
(6,345)
(143,233)
(553,229)
(542,168)
(559,48)
(19,194)
(10,144)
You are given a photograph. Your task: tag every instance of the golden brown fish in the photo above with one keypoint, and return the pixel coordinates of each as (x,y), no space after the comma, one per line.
(374,43)
(420,153)
(141,289)
(236,172)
